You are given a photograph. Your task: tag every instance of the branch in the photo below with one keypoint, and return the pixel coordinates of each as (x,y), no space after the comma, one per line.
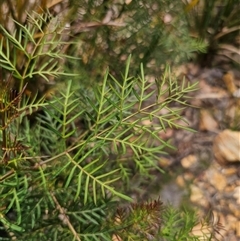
(65,219)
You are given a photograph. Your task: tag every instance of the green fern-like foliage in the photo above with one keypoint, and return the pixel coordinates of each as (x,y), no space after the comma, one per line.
(131,223)
(186,225)
(32,53)
(65,175)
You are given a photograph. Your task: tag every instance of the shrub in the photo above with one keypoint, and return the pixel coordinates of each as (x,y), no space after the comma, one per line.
(65,175)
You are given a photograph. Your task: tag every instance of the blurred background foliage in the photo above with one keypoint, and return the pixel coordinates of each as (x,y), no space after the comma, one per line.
(103,33)
(218,24)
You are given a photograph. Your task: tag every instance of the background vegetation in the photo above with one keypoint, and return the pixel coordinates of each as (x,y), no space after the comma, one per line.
(80,121)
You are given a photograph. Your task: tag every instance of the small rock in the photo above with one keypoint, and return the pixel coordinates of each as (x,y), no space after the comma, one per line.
(217,179)
(234,209)
(226,147)
(238,228)
(236,194)
(180,181)
(167,18)
(196,193)
(237,93)
(230,188)
(207,122)
(184,179)
(189,161)
(233,224)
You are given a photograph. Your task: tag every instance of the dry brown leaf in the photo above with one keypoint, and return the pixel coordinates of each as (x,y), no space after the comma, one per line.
(115,237)
(53,3)
(228,79)
(201,231)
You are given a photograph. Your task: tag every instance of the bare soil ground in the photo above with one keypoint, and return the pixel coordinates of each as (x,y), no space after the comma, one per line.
(205,170)
(213,179)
